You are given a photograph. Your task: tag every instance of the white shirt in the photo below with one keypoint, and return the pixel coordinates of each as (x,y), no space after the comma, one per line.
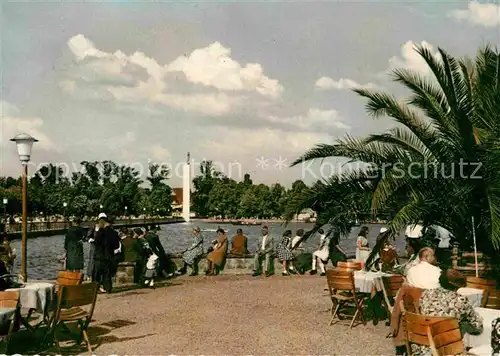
(414,231)
(322,239)
(295,241)
(264,238)
(444,236)
(424,275)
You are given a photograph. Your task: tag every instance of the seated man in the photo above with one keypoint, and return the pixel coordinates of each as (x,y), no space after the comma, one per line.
(425,274)
(320,254)
(264,252)
(445,301)
(239,244)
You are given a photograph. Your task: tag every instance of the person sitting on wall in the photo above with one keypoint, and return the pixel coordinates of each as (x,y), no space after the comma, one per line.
(193,254)
(264,253)
(320,254)
(239,244)
(217,257)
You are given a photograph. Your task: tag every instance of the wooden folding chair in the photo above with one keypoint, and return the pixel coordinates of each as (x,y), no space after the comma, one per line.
(445,338)
(356,266)
(69,278)
(9,300)
(480,283)
(69,309)
(491,299)
(417,329)
(390,287)
(343,294)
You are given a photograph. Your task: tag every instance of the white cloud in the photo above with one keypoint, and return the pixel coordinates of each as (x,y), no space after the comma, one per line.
(138,78)
(246,144)
(158,153)
(213,66)
(410,59)
(13,123)
(481,14)
(314,119)
(326,83)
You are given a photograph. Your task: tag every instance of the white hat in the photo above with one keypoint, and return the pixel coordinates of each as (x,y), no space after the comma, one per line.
(101,216)
(414,231)
(383,229)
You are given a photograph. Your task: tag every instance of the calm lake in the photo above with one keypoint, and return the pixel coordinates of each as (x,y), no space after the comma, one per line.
(45,252)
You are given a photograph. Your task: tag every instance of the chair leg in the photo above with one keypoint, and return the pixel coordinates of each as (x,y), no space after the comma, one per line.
(354,318)
(86,337)
(334,314)
(359,307)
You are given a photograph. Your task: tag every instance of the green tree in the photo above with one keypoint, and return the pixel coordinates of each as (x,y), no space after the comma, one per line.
(448,120)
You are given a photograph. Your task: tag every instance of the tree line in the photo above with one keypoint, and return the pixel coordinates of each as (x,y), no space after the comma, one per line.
(216,195)
(97,186)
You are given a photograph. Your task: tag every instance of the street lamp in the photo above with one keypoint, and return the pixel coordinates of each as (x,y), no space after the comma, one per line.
(24,143)
(65,205)
(5,201)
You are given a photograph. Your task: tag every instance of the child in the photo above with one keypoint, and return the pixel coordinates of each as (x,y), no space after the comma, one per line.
(150,274)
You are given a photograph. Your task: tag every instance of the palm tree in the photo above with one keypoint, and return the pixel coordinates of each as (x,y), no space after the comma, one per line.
(440,165)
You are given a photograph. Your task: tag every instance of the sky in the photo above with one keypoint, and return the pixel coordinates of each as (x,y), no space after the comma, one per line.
(248,85)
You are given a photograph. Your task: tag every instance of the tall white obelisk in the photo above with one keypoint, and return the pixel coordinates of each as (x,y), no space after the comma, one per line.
(186,189)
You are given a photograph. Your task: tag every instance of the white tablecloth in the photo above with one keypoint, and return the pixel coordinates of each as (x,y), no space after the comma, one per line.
(488,316)
(36,296)
(474,295)
(365,281)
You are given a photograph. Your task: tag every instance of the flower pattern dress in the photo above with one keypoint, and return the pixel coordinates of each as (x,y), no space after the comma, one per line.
(284,249)
(442,302)
(195,251)
(495,337)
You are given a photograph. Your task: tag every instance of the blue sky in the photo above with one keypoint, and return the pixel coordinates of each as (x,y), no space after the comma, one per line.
(234,82)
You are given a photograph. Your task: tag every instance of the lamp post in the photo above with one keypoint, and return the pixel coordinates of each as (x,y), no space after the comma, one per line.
(24,143)
(126,214)
(5,201)
(65,205)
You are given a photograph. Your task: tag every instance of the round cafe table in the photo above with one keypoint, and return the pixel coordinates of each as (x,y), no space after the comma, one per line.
(36,297)
(368,282)
(474,295)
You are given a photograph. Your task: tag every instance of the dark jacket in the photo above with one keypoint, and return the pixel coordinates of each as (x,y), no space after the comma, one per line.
(131,249)
(73,244)
(165,263)
(106,242)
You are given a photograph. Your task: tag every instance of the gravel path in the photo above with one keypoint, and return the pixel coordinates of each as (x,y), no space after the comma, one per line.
(230,315)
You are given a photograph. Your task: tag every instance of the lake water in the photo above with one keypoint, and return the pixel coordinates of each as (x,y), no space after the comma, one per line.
(44,252)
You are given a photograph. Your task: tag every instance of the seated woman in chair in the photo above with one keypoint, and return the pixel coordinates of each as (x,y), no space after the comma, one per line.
(217,257)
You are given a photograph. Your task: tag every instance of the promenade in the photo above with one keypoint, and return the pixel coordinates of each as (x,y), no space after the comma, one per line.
(228,315)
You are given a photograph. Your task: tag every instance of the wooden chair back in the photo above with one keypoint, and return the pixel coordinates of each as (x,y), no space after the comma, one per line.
(9,299)
(417,328)
(481,283)
(357,266)
(445,338)
(68,278)
(340,280)
(390,287)
(77,296)
(491,299)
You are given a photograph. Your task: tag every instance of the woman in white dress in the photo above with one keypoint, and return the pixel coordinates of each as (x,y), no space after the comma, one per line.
(362,249)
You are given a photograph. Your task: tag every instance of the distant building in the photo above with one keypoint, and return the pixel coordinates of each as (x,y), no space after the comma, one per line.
(305,215)
(177,201)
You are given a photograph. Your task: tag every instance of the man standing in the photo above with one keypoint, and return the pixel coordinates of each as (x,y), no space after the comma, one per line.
(264,252)
(239,244)
(107,241)
(91,234)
